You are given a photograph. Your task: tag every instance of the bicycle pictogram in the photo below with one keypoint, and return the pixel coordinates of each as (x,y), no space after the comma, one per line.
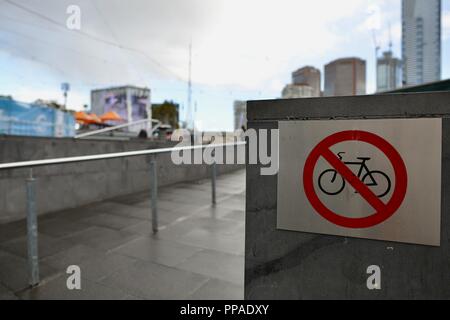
(332,183)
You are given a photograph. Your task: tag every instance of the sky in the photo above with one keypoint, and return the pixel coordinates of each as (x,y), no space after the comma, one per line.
(241,49)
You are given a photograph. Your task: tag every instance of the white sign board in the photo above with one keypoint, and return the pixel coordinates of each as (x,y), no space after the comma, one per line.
(373,179)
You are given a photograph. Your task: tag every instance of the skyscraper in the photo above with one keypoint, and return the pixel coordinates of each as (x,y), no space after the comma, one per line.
(309,76)
(389,72)
(345,77)
(421,41)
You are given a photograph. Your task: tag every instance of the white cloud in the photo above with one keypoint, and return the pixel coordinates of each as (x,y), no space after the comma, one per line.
(235,42)
(374,17)
(382,21)
(253,40)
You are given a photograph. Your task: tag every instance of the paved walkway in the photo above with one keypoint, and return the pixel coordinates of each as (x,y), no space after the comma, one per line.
(198,253)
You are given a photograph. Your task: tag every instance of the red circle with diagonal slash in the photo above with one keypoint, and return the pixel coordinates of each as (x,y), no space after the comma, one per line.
(383,211)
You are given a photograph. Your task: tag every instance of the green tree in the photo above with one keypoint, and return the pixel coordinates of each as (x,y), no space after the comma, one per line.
(166,112)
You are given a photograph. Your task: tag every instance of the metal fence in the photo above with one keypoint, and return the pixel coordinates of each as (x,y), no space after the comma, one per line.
(32,221)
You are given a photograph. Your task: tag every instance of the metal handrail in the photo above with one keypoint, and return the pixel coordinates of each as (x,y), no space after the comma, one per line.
(45,162)
(32,223)
(120,126)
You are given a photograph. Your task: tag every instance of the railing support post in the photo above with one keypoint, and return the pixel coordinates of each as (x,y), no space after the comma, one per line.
(154,190)
(32,231)
(213,180)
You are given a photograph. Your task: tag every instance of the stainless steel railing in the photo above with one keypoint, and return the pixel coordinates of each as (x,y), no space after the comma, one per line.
(120,126)
(32,221)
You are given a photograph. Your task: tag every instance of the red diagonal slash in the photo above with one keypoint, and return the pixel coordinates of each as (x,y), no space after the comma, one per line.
(382,211)
(356,183)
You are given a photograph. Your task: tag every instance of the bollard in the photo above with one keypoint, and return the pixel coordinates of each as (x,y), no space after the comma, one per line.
(154,186)
(213,180)
(32,232)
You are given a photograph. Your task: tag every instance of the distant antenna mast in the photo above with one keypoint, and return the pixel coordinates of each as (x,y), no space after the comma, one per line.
(65,87)
(390,38)
(377,48)
(375,43)
(189,103)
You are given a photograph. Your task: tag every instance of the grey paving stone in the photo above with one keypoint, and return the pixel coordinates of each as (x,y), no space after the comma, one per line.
(218,211)
(216,289)
(14,271)
(119,256)
(170,217)
(77,214)
(143,228)
(164,252)
(176,230)
(76,255)
(217,226)
(12,230)
(137,212)
(188,192)
(153,281)
(94,264)
(122,209)
(104,265)
(47,246)
(132,199)
(211,225)
(56,289)
(177,207)
(234,203)
(102,238)
(111,221)
(6,294)
(107,206)
(145,204)
(184,199)
(216,265)
(196,201)
(232,243)
(203,186)
(237,215)
(60,227)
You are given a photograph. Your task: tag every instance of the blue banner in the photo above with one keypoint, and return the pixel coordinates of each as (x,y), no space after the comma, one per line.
(34,120)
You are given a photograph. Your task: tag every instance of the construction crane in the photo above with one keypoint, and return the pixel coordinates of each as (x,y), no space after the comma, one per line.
(390,38)
(189,118)
(375,43)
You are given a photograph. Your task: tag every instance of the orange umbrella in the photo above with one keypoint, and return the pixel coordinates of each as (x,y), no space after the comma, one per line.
(111,116)
(82,117)
(94,119)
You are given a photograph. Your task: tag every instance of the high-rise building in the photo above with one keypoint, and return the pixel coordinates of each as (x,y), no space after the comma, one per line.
(309,76)
(421,41)
(240,114)
(345,77)
(293,91)
(389,72)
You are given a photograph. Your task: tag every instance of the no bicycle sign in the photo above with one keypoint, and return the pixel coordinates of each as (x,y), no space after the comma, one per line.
(360,183)
(375,179)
